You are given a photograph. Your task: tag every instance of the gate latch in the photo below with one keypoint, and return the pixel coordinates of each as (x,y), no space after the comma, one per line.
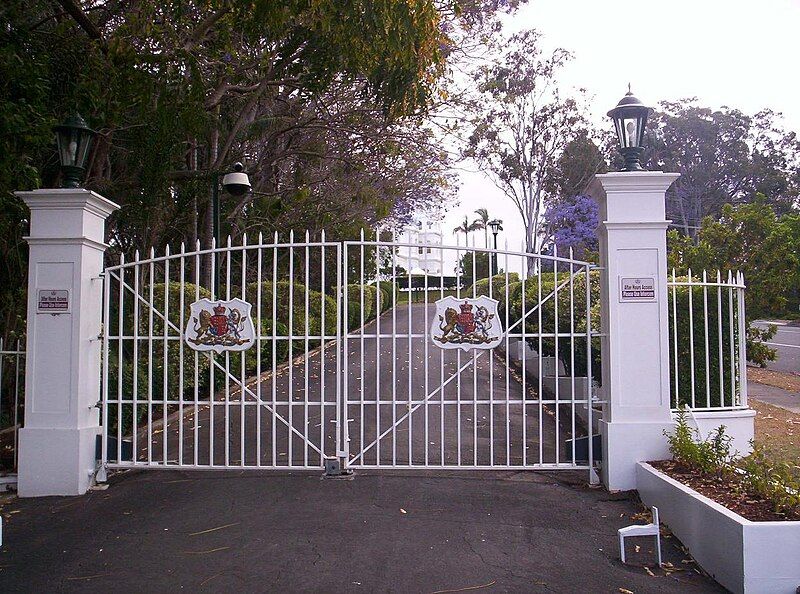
(334,468)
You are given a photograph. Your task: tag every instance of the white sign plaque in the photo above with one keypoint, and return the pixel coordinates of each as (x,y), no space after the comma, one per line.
(220,326)
(466,323)
(634,289)
(52,301)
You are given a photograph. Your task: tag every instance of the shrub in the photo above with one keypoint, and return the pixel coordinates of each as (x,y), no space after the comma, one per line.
(757,473)
(498,286)
(567,308)
(150,364)
(295,294)
(711,455)
(389,293)
(355,293)
(774,481)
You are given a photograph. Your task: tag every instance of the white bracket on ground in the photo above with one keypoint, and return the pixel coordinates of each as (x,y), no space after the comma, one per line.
(639,530)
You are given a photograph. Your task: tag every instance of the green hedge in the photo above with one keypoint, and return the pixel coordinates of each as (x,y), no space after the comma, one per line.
(694,335)
(297,295)
(498,286)
(543,286)
(150,374)
(389,293)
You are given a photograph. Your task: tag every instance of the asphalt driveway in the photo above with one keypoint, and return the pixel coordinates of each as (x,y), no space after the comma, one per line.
(409,403)
(261,531)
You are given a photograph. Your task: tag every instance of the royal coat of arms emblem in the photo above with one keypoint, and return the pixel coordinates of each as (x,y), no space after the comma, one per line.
(466,323)
(220,326)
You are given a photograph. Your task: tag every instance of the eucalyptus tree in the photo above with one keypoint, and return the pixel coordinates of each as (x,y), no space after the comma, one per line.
(724,156)
(521,123)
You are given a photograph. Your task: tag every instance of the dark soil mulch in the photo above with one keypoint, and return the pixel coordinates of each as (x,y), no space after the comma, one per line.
(727,491)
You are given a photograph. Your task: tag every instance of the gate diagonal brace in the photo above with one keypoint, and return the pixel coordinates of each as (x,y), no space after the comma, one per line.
(242,386)
(417,406)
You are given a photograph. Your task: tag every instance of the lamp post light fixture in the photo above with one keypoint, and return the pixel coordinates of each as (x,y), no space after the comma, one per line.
(236,183)
(630,118)
(495,225)
(74,139)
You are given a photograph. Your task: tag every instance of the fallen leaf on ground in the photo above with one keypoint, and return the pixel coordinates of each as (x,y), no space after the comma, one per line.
(214,529)
(204,552)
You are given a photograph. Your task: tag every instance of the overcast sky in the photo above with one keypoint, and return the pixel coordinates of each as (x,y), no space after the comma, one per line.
(740,53)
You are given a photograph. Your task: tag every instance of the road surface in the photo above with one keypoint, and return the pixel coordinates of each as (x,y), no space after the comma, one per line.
(787,342)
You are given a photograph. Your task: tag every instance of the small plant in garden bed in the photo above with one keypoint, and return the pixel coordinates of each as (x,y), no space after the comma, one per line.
(754,487)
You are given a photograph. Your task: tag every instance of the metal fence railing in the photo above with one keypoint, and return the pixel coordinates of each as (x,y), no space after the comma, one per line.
(707,335)
(12,395)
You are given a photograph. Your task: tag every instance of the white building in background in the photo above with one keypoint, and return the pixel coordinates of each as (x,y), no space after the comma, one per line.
(423,257)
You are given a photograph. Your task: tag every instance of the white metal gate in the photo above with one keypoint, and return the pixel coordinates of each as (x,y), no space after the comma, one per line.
(343,366)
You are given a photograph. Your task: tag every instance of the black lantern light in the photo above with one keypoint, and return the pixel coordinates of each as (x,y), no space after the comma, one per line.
(74,142)
(496,225)
(630,118)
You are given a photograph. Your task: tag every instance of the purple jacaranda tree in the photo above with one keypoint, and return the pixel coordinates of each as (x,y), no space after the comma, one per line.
(572,223)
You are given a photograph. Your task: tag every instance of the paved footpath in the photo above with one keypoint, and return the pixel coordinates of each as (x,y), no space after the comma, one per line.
(775,396)
(256,531)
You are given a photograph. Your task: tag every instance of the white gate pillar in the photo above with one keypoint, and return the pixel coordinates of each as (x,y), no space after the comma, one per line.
(62,374)
(635,322)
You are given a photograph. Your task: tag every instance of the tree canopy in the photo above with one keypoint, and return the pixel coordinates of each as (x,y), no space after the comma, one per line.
(324,102)
(724,156)
(750,238)
(522,123)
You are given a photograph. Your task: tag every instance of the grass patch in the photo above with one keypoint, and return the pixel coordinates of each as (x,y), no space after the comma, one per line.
(777,379)
(778,433)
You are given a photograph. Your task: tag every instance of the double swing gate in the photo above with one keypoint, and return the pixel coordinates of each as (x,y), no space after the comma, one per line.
(287,354)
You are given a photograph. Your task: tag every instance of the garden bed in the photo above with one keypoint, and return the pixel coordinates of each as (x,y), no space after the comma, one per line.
(729,511)
(727,491)
(742,555)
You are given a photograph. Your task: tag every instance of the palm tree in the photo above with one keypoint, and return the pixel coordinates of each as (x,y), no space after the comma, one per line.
(466,227)
(482,223)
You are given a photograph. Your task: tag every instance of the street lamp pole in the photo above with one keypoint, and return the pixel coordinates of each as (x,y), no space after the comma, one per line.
(496,225)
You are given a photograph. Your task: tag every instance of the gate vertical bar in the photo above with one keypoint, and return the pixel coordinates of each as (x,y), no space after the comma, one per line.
(306,328)
(242,371)
(742,339)
(164,372)
(378,301)
(274,349)
(593,478)
(322,345)
(181,327)
(120,334)
(106,328)
(342,356)
(259,345)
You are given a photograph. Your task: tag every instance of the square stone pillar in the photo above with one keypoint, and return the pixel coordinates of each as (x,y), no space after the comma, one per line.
(635,321)
(62,374)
